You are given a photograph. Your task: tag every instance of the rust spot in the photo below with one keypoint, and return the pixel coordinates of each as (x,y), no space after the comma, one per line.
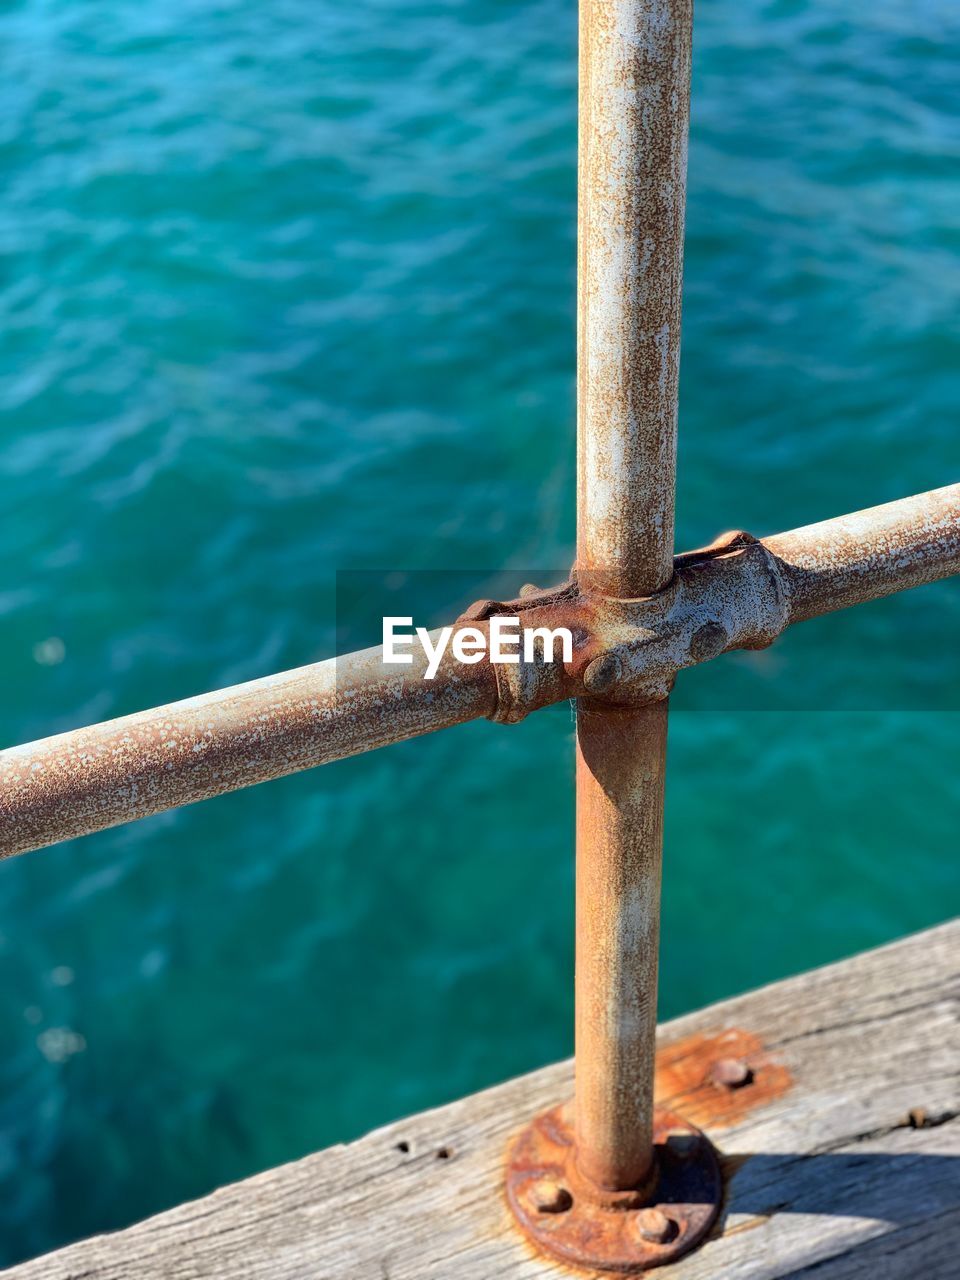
(685,1078)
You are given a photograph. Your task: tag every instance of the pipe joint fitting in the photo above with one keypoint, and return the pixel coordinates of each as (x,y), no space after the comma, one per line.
(729,596)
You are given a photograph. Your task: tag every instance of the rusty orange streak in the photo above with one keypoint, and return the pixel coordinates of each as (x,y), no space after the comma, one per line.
(685,1070)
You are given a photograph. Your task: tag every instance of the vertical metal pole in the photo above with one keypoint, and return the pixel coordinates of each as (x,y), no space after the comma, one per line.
(620,775)
(634,111)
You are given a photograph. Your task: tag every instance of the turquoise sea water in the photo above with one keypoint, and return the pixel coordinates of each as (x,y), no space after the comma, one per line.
(289,288)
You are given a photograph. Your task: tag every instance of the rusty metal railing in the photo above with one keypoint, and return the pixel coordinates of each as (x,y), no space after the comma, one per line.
(611,1182)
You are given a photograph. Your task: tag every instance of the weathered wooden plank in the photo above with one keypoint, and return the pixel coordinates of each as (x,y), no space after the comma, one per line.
(843,1156)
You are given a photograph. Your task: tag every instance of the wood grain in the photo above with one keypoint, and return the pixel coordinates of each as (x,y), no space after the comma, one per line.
(846,1166)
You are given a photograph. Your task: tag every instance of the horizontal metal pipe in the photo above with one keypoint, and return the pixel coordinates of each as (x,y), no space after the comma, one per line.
(83,781)
(92,778)
(871,553)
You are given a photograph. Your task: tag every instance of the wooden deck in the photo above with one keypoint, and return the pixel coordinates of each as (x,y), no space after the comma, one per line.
(842,1156)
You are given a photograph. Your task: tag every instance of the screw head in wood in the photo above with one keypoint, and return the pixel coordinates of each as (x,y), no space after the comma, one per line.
(730,1073)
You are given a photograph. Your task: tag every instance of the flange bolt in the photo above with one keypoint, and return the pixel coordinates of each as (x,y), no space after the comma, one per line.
(548,1196)
(683,1146)
(655,1226)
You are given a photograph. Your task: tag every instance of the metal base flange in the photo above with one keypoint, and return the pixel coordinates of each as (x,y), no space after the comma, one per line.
(620,1231)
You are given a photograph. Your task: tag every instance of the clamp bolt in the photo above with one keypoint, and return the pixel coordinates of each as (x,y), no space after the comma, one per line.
(708,642)
(602,673)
